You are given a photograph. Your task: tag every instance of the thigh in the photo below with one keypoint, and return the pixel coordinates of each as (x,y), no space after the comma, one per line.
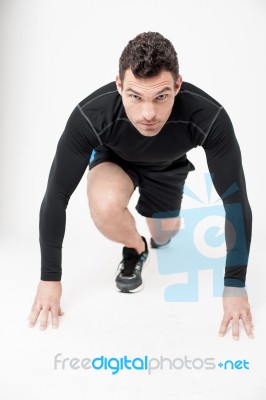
(109,182)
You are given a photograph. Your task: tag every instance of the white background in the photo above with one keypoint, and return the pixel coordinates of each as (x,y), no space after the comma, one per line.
(53,54)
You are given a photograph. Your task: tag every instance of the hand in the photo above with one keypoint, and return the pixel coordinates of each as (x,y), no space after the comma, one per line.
(236,307)
(46,300)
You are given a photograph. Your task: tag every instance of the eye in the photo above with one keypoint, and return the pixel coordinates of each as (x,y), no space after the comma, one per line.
(162,97)
(135,97)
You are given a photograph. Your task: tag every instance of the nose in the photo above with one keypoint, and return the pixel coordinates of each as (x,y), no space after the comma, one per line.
(148,112)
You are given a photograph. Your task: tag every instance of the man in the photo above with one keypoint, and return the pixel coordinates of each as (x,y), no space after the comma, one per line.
(135,132)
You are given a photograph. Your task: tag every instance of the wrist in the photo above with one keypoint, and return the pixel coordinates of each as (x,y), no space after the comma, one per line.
(231,291)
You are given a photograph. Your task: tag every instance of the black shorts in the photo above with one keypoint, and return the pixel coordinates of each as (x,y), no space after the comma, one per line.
(160,187)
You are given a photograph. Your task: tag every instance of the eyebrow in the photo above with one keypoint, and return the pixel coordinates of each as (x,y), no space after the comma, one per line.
(165,89)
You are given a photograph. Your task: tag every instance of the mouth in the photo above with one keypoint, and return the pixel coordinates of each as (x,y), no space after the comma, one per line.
(148,125)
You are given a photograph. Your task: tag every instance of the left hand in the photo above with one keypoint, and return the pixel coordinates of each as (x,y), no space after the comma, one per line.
(236,307)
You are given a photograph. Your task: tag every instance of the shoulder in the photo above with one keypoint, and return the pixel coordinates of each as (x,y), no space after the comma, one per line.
(101,97)
(101,107)
(195,96)
(197,109)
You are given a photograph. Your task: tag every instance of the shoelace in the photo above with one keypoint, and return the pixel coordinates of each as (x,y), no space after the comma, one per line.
(129,263)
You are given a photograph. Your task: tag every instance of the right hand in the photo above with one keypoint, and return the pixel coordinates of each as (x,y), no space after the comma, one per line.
(47,300)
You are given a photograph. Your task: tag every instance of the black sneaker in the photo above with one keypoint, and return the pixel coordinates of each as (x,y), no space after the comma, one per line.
(128,277)
(155,245)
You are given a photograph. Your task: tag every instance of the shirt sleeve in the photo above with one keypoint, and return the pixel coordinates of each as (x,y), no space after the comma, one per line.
(225,166)
(69,164)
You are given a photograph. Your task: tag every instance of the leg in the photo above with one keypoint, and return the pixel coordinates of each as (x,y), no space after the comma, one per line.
(109,192)
(163,229)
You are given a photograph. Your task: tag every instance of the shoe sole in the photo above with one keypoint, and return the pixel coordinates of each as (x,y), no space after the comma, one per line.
(140,287)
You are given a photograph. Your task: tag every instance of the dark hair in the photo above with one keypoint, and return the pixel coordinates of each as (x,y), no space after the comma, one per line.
(147,55)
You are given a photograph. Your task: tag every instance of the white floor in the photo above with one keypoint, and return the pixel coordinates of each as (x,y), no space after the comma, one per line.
(99,322)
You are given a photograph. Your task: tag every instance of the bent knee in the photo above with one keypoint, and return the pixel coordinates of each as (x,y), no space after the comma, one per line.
(104,210)
(163,229)
(162,237)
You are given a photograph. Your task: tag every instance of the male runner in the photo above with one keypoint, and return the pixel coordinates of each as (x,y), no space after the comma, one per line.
(135,132)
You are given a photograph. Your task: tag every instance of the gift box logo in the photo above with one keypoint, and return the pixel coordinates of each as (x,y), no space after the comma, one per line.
(200,245)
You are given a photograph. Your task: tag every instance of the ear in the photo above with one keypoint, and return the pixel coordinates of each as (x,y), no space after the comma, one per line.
(119,84)
(178,84)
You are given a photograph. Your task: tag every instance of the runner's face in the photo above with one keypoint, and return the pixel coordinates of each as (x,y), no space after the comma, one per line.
(148,102)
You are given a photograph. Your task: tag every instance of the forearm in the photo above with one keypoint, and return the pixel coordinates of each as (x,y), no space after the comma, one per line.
(238,226)
(52,229)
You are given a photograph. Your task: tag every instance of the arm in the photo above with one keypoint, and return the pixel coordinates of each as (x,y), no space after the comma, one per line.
(225,165)
(70,161)
(69,164)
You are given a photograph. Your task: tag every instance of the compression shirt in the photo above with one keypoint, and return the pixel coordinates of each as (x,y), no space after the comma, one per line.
(196,120)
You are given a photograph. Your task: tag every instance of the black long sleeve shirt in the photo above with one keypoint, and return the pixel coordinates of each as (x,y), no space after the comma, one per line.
(196,120)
